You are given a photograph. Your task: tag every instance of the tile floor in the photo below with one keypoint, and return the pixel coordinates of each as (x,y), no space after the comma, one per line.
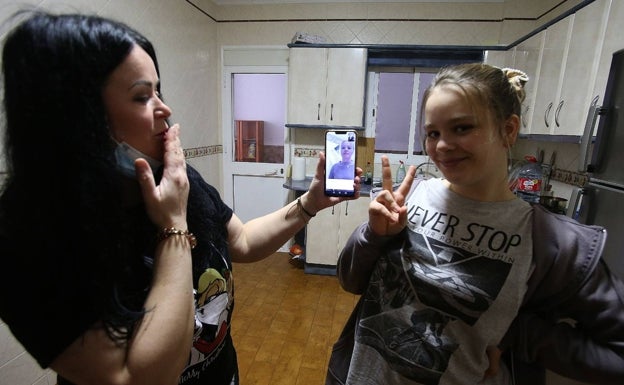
(285,322)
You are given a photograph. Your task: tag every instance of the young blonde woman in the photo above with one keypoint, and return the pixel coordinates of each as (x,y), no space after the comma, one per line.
(456,271)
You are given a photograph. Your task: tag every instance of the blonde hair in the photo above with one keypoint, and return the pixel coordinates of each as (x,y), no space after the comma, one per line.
(499,91)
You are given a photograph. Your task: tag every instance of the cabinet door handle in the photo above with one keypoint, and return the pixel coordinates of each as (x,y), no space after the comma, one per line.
(331,114)
(557,113)
(346,208)
(546,113)
(318,112)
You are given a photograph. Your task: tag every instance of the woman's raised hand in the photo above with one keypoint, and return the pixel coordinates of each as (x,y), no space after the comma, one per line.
(166,203)
(387,213)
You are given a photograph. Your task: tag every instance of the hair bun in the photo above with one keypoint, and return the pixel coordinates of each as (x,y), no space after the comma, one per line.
(516,77)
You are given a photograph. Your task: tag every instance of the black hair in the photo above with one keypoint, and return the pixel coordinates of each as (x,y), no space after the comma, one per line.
(63,198)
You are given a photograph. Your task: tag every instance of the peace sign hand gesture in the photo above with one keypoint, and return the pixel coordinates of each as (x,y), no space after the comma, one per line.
(387,213)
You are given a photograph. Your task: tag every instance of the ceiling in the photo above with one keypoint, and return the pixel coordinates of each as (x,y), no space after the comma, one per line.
(242,2)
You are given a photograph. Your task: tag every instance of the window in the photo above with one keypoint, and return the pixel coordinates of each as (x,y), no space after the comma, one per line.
(397,80)
(399,98)
(396,115)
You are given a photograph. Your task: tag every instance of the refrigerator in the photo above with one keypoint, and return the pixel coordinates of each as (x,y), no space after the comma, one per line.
(601,200)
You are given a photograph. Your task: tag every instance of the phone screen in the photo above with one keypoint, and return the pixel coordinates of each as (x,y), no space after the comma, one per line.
(340,158)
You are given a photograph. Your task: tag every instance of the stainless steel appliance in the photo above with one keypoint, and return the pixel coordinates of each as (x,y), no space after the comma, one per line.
(601,201)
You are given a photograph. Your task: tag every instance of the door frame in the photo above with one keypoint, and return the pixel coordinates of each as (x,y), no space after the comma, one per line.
(260,60)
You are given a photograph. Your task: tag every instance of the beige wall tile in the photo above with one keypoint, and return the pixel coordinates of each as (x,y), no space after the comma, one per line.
(21,370)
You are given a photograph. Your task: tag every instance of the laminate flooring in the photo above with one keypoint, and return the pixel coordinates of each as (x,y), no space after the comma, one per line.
(285,322)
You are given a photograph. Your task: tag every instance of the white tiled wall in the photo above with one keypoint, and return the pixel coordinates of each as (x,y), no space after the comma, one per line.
(16,366)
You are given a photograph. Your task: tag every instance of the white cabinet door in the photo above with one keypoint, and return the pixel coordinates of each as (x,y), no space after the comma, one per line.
(500,59)
(346,78)
(307,85)
(612,42)
(550,77)
(580,70)
(352,215)
(322,234)
(526,58)
(327,233)
(326,86)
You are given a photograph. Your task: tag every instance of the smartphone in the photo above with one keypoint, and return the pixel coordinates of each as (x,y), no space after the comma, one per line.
(340,160)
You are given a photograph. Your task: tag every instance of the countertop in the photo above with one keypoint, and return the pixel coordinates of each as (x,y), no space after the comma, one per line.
(304,185)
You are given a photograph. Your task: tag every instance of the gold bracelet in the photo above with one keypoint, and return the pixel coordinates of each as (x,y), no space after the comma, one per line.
(169,231)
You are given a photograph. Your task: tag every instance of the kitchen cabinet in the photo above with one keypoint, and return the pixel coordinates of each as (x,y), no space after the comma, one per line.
(611,19)
(526,57)
(249,140)
(564,81)
(547,104)
(326,87)
(327,233)
(580,69)
(500,59)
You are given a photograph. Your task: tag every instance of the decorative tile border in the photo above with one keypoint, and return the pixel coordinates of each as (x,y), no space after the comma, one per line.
(575,178)
(197,152)
(570,177)
(306,152)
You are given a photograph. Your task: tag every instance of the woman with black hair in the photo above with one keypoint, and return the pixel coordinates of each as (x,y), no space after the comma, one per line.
(102,278)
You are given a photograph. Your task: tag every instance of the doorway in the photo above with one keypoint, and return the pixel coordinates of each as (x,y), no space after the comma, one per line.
(254,139)
(254,126)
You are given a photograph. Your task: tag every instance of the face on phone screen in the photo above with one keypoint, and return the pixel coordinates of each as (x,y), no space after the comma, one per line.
(340,153)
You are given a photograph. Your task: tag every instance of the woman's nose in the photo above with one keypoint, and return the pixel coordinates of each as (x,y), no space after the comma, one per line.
(162,111)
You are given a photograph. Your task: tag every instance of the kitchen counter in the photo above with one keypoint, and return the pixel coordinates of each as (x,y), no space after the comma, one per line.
(301,186)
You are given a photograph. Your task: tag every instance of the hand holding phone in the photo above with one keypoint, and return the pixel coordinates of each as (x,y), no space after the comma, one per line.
(340,159)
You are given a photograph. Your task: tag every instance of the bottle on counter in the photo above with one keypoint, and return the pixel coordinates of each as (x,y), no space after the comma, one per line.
(400,174)
(528,185)
(368,174)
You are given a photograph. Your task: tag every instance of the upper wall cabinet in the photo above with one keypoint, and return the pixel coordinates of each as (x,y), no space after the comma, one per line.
(611,42)
(500,59)
(326,87)
(547,104)
(567,72)
(526,58)
(580,69)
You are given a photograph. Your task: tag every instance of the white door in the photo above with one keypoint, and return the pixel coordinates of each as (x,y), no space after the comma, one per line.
(255,188)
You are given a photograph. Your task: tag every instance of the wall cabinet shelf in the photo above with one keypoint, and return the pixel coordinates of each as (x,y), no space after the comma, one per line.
(249,140)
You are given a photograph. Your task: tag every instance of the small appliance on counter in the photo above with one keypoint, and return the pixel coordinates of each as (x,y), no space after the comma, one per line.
(557,205)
